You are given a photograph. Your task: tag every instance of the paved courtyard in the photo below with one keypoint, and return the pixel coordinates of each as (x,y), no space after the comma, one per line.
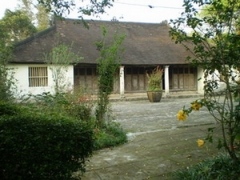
(158,143)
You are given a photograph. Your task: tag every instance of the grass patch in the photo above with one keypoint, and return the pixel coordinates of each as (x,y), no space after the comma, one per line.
(221,167)
(109,135)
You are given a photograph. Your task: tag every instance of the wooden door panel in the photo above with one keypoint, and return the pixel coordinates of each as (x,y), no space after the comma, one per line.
(183,78)
(181,81)
(128,86)
(175,81)
(142,82)
(189,81)
(135,82)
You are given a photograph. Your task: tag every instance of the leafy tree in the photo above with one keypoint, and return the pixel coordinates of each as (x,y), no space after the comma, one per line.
(108,63)
(6,77)
(4,47)
(42,17)
(59,59)
(14,27)
(215,46)
(17,25)
(61,7)
(37,13)
(208,10)
(28,7)
(6,82)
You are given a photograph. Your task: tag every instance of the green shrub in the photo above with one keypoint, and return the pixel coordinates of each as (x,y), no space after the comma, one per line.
(48,99)
(109,135)
(80,111)
(66,103)
(6,108)
(221,167)
(36,146)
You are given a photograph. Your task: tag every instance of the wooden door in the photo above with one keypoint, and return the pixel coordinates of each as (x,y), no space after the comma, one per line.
(183,78)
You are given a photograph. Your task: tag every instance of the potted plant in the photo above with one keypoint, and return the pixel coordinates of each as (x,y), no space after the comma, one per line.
(154,89)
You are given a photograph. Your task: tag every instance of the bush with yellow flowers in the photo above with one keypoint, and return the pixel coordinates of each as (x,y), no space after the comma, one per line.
(229,120)
(183,113)
(214,47)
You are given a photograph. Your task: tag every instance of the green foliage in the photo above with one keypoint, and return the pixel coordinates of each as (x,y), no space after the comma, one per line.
(214,46)
(108,63)
(6,76)
(109,135)
(62,54)
(8,108)
(74,105)
(43,18)
(39,146)
(14,26)
(17,25)
(49,100)
(80,106)
(59,8)
(59,59)
(210,10)
(5,48)
(81,111)
(28,8)
(7,83)
(52,137)
(220,167)
(155,79)
(36,13)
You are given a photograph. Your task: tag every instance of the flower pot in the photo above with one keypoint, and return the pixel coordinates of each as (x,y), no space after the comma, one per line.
(154,96)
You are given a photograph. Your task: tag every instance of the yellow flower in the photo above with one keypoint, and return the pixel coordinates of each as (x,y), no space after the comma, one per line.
(200,142)
(196,106)
(181,115)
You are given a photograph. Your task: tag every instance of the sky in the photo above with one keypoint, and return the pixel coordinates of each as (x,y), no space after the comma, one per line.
(149,11)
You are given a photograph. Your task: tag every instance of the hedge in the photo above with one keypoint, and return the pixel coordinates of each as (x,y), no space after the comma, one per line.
(35,146)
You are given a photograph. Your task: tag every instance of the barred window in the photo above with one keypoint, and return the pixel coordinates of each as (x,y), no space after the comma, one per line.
(38,76)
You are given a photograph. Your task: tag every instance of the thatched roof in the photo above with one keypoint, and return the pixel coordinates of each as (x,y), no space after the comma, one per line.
(145,43)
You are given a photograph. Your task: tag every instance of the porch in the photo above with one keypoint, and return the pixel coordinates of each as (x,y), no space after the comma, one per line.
(177,79)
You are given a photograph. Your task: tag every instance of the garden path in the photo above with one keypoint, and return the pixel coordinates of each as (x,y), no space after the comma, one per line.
(158,143)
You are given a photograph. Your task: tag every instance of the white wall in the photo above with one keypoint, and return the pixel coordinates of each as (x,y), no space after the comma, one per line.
(216,78)
(22,83)
(200,83)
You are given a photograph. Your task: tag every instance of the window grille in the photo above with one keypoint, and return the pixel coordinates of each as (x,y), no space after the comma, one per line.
(38,76)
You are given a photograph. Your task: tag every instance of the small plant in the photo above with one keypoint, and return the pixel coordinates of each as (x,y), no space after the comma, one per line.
(77,105)
(220,167)
(155,79)
(109,135)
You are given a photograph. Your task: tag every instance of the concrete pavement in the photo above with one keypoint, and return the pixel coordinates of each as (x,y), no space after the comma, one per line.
(158,143)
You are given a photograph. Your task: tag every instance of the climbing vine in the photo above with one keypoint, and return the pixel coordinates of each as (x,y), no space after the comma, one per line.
(108,63)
